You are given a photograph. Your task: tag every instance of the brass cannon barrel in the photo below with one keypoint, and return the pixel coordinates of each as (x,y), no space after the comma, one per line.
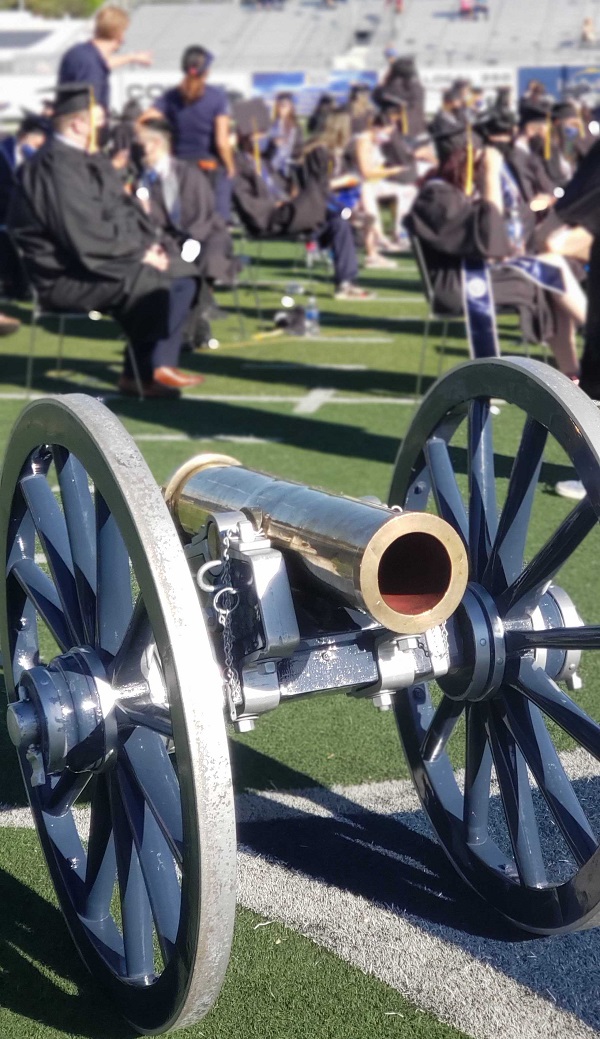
(408,570)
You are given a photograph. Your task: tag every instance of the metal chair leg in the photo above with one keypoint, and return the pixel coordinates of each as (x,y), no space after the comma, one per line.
(32,335)
(443,345)
(240,316)
(420,373)
(135,369)
(61,342)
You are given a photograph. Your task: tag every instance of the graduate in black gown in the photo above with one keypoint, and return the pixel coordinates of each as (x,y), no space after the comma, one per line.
(455,220)
(88,246)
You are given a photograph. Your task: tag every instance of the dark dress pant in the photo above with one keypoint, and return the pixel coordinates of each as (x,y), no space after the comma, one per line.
(337,236)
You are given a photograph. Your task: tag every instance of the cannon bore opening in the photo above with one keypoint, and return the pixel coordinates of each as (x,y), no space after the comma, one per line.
(414,574)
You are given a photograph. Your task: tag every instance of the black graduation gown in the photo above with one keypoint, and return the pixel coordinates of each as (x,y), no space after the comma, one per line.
(83,240)
(451,228)
(197,219)
(410,93)
(580,205)
(259,212)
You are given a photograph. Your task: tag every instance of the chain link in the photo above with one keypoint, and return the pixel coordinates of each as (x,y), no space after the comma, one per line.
(225,601)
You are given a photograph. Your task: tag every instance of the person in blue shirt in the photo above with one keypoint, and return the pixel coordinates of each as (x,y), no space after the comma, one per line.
(199,116)
(92,62)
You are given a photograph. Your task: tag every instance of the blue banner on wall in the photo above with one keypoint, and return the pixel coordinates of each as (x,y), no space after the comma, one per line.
(558,78)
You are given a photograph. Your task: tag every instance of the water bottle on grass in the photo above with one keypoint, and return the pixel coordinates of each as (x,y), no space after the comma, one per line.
(312,317)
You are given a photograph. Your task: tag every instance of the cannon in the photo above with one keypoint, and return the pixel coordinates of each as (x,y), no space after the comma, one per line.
(135,624)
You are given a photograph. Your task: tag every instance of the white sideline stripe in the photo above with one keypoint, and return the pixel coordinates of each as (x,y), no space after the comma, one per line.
(249,398)
(430,969)
(229,438)
(313,401)
(298,366)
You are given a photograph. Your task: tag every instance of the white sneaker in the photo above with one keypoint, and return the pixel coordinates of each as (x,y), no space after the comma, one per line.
(570,489)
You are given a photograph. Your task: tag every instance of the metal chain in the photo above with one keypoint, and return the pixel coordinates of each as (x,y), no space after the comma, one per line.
(225,601)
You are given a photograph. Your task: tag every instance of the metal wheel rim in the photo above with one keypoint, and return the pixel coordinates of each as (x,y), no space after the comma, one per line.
(573,420)
(191,979)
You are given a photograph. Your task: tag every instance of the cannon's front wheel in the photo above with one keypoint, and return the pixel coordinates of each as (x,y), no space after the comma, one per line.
(505,753)
(117,711)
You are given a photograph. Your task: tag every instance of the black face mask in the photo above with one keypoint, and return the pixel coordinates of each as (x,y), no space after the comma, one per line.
(137,156)
(536,145)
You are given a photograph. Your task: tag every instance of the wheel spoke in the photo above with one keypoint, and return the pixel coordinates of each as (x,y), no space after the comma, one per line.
(586,636)
(157,864)
(508,551)
(441,728)
(517,801)
(478,772)
(548,561)
(527,726)
(114,601)
(52,531)
(448,498)
(150,716)
(78,506)
(65,792)
(101,870)
(151,769)
(136,913)
(483,519)
(554,702)
(40,591)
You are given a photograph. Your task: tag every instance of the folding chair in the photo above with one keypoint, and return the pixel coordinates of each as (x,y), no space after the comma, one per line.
(39,313)
(432,315)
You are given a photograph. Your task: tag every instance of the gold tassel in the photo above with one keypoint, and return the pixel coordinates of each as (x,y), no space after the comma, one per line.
(470,163)
(93,147)
(548,138)
(256,149)
(404,118)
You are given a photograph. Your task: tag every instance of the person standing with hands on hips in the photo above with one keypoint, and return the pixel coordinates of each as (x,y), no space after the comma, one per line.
(199,116)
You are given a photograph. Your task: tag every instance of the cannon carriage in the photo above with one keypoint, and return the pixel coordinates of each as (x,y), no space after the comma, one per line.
(135,624)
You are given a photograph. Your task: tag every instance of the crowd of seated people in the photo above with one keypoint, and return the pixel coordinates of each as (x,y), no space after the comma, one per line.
(354,179)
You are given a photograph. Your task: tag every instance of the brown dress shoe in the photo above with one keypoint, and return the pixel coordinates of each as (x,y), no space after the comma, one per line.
(176,378)
(129,388)
(8,325)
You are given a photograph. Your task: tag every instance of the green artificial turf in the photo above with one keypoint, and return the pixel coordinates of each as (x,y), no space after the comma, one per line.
(278,983)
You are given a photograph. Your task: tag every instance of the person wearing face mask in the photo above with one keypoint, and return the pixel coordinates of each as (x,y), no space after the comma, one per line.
(377,184)
(462,213)
(16,149)
(570,142)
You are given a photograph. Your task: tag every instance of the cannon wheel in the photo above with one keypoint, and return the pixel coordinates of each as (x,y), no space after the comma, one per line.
(511,820)
(126,718)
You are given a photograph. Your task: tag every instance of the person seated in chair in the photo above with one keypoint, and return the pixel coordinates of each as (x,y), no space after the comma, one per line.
(263,211)
(180,201)
(88,246)
(459,215)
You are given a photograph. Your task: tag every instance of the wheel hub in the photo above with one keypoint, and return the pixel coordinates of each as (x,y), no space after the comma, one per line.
(481,670)
(64,717)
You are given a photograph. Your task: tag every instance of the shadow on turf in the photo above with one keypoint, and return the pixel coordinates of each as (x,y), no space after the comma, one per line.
(391,861)
(33,931)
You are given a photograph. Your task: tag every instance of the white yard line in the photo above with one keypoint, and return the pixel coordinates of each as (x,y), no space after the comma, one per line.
(314,400)
(302,366)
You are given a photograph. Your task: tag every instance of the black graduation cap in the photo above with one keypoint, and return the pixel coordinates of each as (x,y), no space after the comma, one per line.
(564,110)
(453,139)
(158,124)
(532,111)
(73,97)
(495,122)
(404,66)
(251,116)
(32,122)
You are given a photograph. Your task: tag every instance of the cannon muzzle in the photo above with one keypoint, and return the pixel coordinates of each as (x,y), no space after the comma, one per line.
(407,570)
